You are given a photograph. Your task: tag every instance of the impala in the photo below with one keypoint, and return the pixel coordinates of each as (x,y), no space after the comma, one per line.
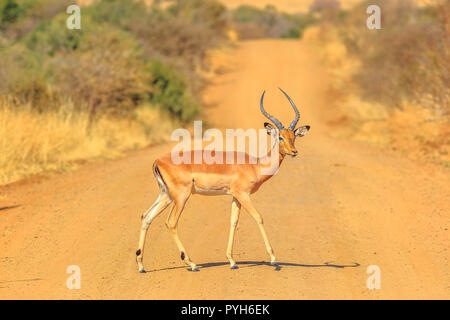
(178,181)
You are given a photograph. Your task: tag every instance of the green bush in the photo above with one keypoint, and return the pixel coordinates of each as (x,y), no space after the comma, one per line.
(171,91)
(52,35)
(119,13)
(246,13)
(9,12)
(106,73)
(29,13)
(407,61)
(297,24)
(177,37)
(23,77)
(125,55)
(251,22)
(210,13)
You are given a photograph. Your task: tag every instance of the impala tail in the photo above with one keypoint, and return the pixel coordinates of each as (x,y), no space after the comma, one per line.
(159,178)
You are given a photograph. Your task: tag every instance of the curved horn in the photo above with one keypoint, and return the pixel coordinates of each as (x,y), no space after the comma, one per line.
(268,116)
(297,114)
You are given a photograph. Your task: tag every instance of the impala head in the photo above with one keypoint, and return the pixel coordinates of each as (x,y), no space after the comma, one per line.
(285,136)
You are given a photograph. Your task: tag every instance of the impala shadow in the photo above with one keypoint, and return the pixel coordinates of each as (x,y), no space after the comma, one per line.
(9,207)
(250,264)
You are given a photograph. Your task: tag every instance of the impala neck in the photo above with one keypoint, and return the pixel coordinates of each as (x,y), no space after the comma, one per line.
(270,163)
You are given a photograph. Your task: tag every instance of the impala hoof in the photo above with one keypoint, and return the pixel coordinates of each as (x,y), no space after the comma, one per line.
(195,269)
(234,267)
(142,271)
(276,265)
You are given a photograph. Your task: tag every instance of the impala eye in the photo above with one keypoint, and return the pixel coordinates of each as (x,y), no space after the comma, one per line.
(281,138)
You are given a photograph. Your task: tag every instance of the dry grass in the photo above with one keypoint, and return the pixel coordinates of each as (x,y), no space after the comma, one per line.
(411,129)
(32,143)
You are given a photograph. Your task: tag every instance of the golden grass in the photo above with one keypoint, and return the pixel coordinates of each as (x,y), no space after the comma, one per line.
(32,143)
(414,130)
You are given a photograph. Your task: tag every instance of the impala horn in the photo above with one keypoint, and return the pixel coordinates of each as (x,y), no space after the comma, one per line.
(297,114)
(274,120)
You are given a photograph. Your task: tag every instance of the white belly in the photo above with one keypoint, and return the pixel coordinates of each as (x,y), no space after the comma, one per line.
(207,192)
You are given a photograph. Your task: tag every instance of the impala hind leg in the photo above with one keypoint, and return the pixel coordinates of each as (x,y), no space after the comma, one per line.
(172,225)
(235,211)
(160,204)
(245,201)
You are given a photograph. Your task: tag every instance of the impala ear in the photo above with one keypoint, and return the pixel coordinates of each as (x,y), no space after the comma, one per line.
(269,128)
(301,131)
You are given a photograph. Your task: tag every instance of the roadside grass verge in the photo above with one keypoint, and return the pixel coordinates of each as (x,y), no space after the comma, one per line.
(33,143)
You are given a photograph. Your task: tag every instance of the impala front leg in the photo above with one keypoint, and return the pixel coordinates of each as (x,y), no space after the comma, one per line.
(245,201)
(235,211)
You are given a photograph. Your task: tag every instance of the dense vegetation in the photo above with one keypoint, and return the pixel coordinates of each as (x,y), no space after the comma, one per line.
(390,86)
(125,55)
(408,61)
(251,22)
(130,75)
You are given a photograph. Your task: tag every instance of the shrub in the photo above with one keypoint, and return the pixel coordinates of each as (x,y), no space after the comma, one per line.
(251,22)
(125,55)
(210,13)
(30,13)
(180,36)
(409,60)
(119,13)
(171,91)
(9,12)
(106,73)
(183,33)
(323,6)
(52,35)
(22,76)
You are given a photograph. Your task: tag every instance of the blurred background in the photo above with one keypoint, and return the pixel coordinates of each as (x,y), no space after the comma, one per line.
(137,69)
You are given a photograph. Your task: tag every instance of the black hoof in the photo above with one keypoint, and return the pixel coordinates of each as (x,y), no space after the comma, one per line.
(142,271)
(276,265)
(195,269)
(234,267)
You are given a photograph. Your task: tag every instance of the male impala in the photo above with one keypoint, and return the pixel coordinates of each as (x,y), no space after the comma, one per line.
(178,181)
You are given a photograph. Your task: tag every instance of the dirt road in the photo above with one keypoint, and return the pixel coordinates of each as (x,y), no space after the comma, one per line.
(346,206)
